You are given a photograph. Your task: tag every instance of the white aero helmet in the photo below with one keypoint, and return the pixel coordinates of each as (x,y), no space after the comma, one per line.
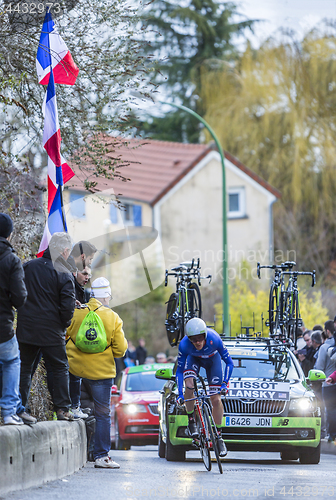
(196,326)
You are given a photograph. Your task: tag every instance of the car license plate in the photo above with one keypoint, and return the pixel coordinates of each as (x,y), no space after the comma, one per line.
(248,421)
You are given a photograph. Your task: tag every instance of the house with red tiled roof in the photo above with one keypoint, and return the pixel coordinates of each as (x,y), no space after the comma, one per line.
(176,189)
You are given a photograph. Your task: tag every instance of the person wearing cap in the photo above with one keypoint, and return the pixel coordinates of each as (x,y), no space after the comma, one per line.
(98,369)
(43,320)
(13,293)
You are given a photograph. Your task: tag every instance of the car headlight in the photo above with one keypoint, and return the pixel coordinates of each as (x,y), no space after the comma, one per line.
(132,409)
(302,406)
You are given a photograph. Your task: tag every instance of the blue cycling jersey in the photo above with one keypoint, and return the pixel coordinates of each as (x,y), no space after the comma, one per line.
(213,345)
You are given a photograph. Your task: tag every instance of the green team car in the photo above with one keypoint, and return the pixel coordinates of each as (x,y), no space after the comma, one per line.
(270,405)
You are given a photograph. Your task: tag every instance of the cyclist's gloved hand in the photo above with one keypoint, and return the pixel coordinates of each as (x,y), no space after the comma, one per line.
(224,389)
(180,400)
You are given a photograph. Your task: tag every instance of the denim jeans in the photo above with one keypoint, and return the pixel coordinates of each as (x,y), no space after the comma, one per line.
(101,394)
(10,368)
(75,390)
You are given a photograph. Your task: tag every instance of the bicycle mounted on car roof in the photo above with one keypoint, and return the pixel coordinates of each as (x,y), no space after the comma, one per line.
(284,307)
(185,303)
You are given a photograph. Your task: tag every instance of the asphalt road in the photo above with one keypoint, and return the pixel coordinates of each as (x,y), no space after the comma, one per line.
(143,475)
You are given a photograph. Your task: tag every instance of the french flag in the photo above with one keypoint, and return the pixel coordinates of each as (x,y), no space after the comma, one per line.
(58,170)
(56,222)
(67,174)
(51,131)
(53,53)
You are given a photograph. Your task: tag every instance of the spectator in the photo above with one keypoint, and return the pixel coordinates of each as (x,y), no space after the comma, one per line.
(81,258)
(98,369)
(161,357)
(316,340)
(324,336)
(130,357)
(141,352)
(300,343)
(82,255)
(328,391)
(149,360)
(317,328)
(13,293)
(306,355)
(80,280)
(43,319)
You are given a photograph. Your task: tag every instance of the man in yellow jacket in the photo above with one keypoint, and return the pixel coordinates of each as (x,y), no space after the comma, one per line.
(98,368)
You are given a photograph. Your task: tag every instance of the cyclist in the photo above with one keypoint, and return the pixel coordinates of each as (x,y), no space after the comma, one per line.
(203,347)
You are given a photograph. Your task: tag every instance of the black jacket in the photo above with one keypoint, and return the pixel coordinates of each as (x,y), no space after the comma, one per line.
(13,292)
(50,305)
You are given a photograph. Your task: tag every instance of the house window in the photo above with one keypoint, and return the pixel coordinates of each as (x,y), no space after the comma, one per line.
(77,205)
(236,203)
(114,213)
(132,214)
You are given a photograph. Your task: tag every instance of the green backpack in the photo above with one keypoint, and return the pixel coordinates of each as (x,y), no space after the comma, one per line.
(91,336)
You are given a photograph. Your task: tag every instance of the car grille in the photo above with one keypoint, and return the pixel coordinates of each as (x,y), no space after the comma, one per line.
(253,407)
(153,408)
(142,429)
(270,434)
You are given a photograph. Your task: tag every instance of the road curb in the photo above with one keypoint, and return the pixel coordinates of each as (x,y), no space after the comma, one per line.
(33,455)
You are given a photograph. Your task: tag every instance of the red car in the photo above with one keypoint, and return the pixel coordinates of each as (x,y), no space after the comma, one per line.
(134,406)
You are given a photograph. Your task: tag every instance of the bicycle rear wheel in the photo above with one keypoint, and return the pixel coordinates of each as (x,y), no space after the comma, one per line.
(194,301)
(203,442)
(213,435)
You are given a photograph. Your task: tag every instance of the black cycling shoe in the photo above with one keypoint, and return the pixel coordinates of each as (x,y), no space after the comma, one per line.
(192,428)
(221,447)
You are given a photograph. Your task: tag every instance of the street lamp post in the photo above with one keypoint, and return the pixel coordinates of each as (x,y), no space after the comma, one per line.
(225,293)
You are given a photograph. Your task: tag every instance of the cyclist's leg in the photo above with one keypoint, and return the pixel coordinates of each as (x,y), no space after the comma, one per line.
(215,377)
(190,373)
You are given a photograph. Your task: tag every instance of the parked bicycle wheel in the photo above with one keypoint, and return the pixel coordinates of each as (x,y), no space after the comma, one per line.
(203,442)
(210,425)
(175,318)
(293,316)
(273,309)
(194,301)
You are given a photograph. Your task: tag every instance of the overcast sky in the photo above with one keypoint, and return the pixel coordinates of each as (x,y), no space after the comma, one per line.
(299,15)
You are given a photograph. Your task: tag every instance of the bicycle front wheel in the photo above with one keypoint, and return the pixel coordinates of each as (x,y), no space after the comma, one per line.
(172,322)
(203,442)
(208,420)
(194,301)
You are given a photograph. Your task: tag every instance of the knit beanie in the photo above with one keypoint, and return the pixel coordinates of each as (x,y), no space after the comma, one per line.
(6,225)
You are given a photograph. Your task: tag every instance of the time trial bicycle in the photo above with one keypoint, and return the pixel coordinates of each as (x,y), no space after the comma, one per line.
(207,430)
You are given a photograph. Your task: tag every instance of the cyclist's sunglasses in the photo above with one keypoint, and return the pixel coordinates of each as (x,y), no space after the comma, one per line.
(197,338)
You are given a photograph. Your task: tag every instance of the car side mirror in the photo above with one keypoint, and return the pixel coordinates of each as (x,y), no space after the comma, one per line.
(316,376)
(165,374)
(114,390)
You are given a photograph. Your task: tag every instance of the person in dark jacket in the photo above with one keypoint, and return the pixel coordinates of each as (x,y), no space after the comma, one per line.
(13,293)
(43,320)
(141,352)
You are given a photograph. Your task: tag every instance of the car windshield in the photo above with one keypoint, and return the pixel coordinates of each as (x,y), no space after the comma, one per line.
(273,364)
(143,381)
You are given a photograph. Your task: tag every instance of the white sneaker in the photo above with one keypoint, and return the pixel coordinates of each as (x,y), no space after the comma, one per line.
(106,463)
(13,420)
(77,413)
